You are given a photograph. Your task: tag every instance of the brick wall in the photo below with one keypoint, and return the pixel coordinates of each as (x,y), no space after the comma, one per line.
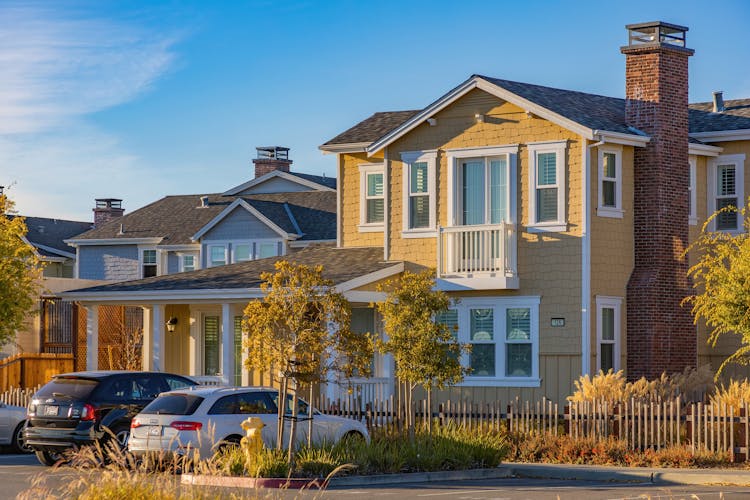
(660,334)
(265,166)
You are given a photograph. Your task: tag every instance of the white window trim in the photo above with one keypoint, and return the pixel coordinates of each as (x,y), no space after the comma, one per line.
(181,263)
(211,245)
(738,160)
(453,157)
(607,211)
(693,215)
(364,170)
(500,304)
(559,148)
(407,159)
(615,303)
(141,250)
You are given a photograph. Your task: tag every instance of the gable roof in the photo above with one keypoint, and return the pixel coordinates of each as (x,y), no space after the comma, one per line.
(340,265)
(315,182)
(584,113)
(48,236)
(240,203)
(175,219)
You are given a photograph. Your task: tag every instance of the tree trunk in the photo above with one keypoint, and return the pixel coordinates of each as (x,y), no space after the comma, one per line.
(429,410)
(310,413)
(293,432)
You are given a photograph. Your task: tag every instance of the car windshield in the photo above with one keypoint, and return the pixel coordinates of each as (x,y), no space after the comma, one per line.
(68,387)
(173,404)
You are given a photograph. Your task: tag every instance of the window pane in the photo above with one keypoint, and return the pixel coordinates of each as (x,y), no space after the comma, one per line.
(482,360)
(608,357)
(149,271)
(419,211)
(218,256)
(268,250)
(498,190)
(609,165)
(546,171)
(188,262)
(211,345)
(374,184)
(608,192)
(472,193)
(419,177)
(450,319)
(608,323)
(726,180)
(546,205)
(726,220)
(375,210)
(149,256)
(482,324)
(518,363)
(242,252)
(238,350)
(518,324)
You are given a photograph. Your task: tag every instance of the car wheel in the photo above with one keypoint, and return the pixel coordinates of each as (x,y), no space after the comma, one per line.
(121,436)
(19,442)
(353,436)
(48,458)
(227,444)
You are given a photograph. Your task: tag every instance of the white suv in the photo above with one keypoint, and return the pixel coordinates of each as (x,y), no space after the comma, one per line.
(206,418)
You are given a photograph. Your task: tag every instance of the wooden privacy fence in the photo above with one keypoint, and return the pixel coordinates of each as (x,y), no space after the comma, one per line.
(32,369)
(642,425)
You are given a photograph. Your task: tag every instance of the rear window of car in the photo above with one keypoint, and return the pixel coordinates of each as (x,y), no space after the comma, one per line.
(173,404)
(75,388)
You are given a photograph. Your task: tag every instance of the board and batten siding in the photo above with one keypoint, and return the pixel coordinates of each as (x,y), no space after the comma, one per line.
(108,262)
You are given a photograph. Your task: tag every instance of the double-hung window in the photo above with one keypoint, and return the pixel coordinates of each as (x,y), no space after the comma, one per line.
(242,252)
(610,182)
(504,337)
(217,255)
(692,208)
(608,332)
(726,193)
(149,267)
(372,197)
(419,193)
(187,262)
(547,186)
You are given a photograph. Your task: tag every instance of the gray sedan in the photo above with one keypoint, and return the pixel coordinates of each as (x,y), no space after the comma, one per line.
(12,422)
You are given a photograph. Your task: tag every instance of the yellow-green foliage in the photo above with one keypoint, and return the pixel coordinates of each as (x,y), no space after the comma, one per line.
(20,273)
(612,386)
(721,278)
(732,395)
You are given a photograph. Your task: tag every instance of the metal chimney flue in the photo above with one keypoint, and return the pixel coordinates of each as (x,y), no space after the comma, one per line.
(718,101)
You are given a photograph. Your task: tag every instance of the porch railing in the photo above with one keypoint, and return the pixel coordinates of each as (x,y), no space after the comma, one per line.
(357,393)
(208,380)
(487,249)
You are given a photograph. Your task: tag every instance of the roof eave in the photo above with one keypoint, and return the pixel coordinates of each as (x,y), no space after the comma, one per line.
(722,135)
(704,150)
(636,140)
(163,296)
(353,147)
(113,241)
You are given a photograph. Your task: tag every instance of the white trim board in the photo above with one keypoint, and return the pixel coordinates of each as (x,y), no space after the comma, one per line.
(114,241)
(273,174)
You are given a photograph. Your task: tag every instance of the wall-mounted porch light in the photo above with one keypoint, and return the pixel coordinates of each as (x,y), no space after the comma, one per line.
(171,324)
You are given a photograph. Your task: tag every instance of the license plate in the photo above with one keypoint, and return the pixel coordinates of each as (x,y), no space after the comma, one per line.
(50,411)
(154,431)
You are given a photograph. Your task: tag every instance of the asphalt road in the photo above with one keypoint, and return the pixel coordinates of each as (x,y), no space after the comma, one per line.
(18,471)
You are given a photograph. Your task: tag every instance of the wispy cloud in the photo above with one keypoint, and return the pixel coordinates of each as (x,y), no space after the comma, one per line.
(58,65)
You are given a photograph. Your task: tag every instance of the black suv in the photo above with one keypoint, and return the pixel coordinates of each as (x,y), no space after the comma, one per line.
(76,409)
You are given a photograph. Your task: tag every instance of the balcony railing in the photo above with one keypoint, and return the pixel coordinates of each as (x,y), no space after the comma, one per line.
(479,251)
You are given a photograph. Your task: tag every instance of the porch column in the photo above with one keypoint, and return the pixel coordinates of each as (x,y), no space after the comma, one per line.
(147,350)
(227,345)
(92,337)
(157,328)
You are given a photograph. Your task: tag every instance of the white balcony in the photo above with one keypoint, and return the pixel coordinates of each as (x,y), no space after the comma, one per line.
(478,257)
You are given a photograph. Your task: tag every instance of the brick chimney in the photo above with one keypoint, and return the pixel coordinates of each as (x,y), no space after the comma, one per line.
(661,336)
(271,158)
(107,209)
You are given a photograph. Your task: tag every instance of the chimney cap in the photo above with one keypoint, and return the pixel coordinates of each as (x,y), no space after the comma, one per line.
(272,153)
(108,202)
(656,33)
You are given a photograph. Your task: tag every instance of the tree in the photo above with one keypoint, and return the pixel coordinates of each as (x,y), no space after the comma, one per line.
(722,278)
(301,332)
(20,273)
(426,351)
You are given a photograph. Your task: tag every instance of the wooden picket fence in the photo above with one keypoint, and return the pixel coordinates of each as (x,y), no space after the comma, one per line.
(642,425)
(18,396)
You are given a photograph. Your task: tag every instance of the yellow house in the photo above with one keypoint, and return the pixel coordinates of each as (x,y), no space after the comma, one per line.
(556,219)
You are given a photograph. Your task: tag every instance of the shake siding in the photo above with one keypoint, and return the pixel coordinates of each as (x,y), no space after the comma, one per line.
(350,192)
(113,262)
(611,250)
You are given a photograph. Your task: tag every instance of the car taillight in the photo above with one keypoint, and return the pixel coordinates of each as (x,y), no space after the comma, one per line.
(186,426)
(88,412)
(135,423)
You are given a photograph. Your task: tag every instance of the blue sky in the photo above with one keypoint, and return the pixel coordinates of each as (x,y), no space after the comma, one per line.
(136,100)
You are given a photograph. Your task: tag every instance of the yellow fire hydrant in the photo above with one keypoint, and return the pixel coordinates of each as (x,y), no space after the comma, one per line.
(252,443)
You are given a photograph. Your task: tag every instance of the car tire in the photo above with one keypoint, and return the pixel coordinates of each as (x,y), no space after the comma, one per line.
(19,442)
(47,458)
(121,436)
(353,436)
(227,444)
